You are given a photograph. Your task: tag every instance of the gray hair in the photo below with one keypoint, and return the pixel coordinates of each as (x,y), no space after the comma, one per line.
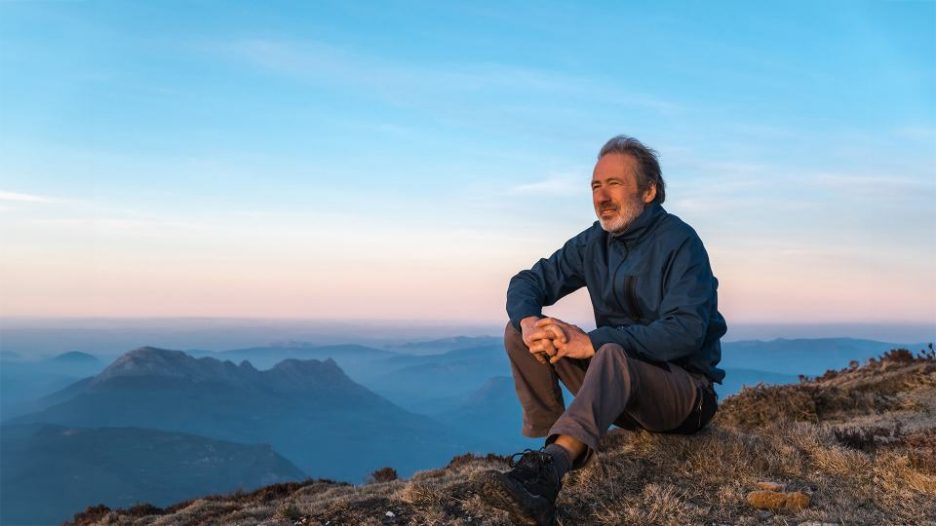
(648,167)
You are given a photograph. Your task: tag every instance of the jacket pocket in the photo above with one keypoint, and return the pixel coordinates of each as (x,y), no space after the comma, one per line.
(630,296)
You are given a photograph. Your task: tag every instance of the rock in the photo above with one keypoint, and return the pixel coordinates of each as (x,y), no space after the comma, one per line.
(775,500)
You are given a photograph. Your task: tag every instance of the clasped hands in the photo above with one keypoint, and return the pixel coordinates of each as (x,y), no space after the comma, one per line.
(551,339)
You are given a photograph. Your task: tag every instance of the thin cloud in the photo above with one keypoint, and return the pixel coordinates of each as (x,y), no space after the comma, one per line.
(124,225)
(874,184)
(397,81)
(557,186)
(27,198)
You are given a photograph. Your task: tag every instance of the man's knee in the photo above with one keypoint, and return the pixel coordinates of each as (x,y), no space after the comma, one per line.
(610,353)
(513,340)
(613,356)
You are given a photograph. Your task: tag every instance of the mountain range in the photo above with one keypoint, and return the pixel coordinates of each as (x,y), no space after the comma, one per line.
(309,410)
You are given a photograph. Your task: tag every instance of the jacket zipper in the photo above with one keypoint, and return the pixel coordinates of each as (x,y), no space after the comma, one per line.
(617,268)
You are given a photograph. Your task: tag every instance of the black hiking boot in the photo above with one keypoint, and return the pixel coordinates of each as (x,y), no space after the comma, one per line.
(527,492)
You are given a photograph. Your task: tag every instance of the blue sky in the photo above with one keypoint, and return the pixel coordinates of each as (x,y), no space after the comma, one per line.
(400,160)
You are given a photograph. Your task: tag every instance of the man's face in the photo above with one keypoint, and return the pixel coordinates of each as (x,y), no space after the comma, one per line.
(615,193)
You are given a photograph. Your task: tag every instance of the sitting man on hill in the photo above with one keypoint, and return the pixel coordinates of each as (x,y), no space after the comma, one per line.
(651,361)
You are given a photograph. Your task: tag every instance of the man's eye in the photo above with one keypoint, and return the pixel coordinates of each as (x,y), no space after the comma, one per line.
(614,183)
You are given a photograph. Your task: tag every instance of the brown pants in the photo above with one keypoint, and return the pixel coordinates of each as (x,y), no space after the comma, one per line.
(611,387)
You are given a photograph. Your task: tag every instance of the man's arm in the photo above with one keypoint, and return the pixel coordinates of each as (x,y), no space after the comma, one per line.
(687,306)
(547,281)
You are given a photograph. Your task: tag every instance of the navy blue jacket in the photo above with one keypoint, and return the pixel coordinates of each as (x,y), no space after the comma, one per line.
(651,286)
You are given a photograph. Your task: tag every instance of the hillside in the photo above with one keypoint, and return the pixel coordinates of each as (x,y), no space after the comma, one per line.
(859,443)
(51,471)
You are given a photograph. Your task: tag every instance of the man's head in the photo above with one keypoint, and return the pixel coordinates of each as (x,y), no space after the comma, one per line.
(626,178)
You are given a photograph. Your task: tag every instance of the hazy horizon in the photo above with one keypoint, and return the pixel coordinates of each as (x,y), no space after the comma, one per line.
(35,336)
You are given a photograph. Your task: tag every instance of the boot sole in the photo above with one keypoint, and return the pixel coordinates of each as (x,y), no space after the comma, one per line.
(502,492)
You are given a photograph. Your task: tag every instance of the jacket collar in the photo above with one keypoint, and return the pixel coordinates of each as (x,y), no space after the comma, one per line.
(642,225)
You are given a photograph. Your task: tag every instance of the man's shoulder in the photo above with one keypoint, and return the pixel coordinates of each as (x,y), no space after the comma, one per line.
(590,234)
(673,228)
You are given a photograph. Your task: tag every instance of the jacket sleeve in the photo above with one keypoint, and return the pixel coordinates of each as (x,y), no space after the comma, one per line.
(547,281)
(689,299)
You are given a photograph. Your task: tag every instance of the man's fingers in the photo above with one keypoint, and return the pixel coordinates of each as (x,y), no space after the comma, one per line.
(540,334)
(544,346)
(557,333)
(543,322)
(556,329)
(556,357)
(549,348)
(560,354)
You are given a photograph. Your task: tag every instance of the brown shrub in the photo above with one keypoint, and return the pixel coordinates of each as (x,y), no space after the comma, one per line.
(91,515)
(921,451)
(385,474)
(868,438)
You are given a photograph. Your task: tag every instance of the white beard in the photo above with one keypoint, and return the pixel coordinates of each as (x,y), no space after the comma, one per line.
(624,217)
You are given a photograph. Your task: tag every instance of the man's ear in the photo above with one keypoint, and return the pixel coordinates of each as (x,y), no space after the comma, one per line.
(650,193)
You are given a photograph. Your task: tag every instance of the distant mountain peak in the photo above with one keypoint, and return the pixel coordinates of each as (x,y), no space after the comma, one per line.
(75,357)
(292,344)
(291,373)
(149,359)
(291,364)
(308,373)
(247,365)
(153,361)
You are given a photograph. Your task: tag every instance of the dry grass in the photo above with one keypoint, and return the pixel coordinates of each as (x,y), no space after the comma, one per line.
(860,442)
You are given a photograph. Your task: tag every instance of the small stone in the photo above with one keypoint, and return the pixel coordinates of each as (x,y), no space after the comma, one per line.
(769,486)
(390,515)
(774,500)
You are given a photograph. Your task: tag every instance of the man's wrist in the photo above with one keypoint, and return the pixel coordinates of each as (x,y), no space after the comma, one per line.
(517,318)
(528,324)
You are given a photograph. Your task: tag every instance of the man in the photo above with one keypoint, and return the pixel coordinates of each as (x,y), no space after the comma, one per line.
(650,362)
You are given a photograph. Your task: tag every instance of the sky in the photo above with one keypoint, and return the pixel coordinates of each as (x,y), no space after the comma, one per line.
(402,160)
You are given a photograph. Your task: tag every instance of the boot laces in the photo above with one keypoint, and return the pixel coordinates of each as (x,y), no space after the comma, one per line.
(536,469)
(531,458)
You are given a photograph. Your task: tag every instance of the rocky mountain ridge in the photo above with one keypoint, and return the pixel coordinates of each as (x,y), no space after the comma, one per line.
(152,361)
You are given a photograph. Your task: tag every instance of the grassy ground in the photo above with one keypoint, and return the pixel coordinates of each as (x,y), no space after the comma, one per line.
(859,443)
